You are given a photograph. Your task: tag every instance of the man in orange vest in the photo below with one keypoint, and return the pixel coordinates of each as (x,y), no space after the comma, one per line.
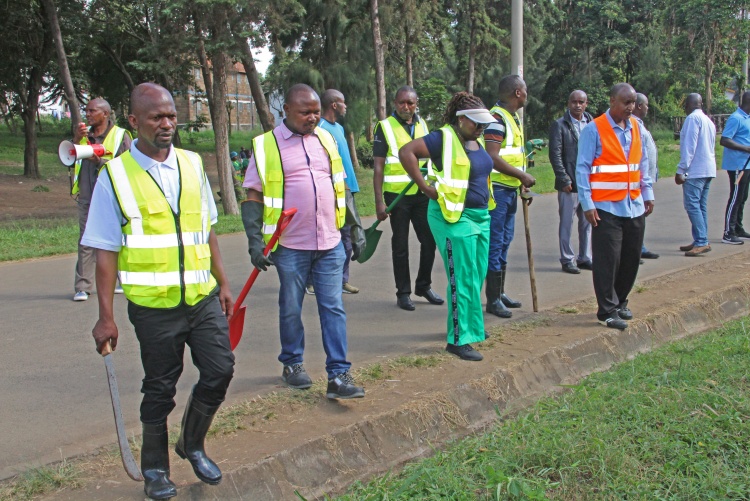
(614,189)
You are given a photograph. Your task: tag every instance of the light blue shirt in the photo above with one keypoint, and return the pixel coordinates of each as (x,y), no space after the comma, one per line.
(337,131)
(104,225)
(589,148)
(653,154)
(737,129)
(697,143)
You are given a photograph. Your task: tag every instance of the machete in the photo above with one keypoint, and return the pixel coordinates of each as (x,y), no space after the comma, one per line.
(128,461)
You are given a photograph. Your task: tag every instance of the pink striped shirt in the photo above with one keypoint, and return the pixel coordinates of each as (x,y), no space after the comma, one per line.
(308,187)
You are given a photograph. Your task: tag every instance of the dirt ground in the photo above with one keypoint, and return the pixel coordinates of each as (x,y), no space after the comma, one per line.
(286,419)
(19,201)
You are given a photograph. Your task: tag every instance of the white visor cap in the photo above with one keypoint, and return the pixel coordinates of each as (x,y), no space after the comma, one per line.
(479,115)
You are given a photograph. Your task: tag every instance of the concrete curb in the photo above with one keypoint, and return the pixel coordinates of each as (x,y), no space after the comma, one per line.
(378,443)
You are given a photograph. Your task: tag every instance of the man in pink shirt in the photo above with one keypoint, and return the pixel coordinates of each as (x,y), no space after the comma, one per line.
(297,165)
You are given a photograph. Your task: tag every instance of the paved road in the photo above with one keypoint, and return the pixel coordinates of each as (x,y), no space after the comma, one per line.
(54,394)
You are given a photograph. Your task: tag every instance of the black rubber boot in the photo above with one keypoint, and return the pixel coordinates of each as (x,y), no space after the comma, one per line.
(510,303)
(492,290)
(155,462)
(195,424)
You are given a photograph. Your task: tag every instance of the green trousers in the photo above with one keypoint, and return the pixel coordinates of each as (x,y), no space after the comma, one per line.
(464,246)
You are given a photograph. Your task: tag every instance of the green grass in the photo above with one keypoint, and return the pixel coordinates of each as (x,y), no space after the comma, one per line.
(673,424)
(40,481)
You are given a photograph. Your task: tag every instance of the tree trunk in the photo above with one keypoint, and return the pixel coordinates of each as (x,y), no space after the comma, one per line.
(409,55)
(253,79)
(710,58)
(379,60)
(28,115)
(62,63)
(472,57)
(352,148)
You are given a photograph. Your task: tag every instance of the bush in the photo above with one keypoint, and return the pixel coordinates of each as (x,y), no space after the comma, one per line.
(364,154)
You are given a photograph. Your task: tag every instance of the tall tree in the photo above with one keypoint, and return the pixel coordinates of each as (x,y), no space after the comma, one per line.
(62,62)
(379,61)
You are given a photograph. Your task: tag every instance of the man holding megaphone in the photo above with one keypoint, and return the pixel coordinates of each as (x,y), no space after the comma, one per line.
(115,140)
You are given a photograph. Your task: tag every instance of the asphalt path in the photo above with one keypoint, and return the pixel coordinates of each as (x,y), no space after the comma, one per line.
(54,395)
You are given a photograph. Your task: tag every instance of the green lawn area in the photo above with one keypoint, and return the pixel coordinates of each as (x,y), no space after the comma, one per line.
(672,424)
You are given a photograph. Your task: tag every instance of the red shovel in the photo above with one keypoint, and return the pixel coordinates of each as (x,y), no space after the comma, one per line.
(237,322)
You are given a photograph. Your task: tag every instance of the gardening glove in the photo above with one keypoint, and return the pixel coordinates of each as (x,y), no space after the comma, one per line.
(357,232)
(252,219)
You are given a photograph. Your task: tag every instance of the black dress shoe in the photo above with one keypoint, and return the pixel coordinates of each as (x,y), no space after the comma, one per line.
(585,265)
(430,296)
(404,302)
(624,313)
(571,268)
(649,255)
(464,352)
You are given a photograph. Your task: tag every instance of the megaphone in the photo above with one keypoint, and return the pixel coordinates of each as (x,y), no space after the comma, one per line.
(70,152)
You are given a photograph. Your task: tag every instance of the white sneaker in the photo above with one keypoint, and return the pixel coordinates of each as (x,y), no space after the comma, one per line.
(118,290)
(80,296)
(310,290)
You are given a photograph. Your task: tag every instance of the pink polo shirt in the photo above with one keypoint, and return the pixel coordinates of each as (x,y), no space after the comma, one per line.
(308,187)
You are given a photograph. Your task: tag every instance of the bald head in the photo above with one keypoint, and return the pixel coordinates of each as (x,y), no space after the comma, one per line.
(147,95)
(577,103)
(97,113)
(621,88)
(333,105)
(512,92)
(154,116)
(745,102)
(299,91)
(329,97)
(102,104)
(302,109)
(641,106)
(621,102)
(693,102)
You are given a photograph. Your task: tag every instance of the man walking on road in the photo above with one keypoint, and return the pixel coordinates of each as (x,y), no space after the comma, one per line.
(639,112)
(151,218)
(334,109)
(615,191)
(116,140)
(389,179)
(735,138)
(563,151)
(504,142)
(696,170)
(297,164)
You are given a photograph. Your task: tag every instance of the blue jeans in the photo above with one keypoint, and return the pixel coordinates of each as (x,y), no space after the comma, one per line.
(502,226)
(695,200)
(325,267)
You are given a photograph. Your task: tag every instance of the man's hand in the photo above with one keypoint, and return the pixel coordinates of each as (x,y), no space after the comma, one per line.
(226,300)
(380,210)
(259,260)
(431,192)
(105,330)
(568,189)
(649,205)
(592,217)
(527,200)
(679,179)
(80,132)
(527,180)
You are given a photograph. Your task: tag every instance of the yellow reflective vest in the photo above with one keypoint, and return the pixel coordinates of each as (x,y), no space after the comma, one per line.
(111,143)
(452,182)
(165,258)
(511,149)
(271,173)
(394,175)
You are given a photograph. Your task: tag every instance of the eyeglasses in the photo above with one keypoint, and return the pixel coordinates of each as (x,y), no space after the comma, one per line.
(477,125)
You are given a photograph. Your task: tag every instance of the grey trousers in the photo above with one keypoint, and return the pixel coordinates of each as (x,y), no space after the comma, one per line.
(86,265)
(569,206)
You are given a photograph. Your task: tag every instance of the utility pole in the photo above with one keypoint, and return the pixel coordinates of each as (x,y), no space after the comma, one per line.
(516,41)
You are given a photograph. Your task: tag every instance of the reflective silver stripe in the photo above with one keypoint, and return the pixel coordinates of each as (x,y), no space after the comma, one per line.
(635,167)
(119,134)
(273,203)
(635,186)
(341,202)
(338,177)
(602,185)
(396,179)
(392,160)
(169,278)
(195,237)
(260,158)
(457,183)
(609,169)
(512,150)
(457,207)
(127,197)
(390,137)
(149,241)
(268,229)
(195,161)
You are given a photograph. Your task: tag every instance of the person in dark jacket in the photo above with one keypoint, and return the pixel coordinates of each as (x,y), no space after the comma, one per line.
(563,150)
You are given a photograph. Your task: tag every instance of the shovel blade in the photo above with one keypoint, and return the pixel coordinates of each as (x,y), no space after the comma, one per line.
(236,326)
(372,236)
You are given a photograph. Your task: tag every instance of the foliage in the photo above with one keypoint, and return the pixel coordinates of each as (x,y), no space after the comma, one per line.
(667,425)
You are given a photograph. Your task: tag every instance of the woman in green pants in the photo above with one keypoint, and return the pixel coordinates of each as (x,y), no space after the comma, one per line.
(458,186)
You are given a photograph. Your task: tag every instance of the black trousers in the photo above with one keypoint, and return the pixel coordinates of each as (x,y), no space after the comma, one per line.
(616,250)
(411,209)
(163,334)
(736,202)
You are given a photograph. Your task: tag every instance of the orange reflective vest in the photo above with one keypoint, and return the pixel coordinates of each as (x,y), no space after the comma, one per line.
(612,176)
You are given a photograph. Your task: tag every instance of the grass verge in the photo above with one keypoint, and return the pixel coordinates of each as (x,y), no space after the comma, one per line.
(672,424)
(40,481)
